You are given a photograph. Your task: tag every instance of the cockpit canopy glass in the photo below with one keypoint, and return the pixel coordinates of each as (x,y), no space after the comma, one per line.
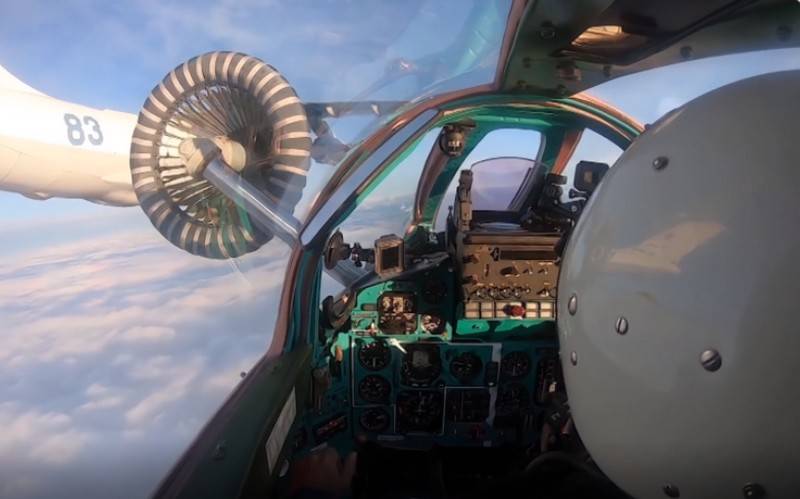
(496,182)
(384,54)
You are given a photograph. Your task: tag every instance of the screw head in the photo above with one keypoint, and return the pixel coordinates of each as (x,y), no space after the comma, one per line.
(660,163)
(572,304)
(671,490)
(622,325)
(573,358)
(711,360)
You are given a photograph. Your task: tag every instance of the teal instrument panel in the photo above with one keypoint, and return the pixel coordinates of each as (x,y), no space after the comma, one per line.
(403,375)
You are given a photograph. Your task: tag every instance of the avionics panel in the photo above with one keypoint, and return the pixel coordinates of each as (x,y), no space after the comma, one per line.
(463,394)
(424,306)
(508,275)
(396,377)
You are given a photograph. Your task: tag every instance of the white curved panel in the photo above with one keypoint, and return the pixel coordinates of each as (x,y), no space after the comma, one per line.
(699,254)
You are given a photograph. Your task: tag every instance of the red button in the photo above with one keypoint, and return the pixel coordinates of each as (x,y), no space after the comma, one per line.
(515,310)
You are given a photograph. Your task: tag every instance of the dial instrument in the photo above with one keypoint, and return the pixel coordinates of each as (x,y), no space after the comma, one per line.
(374,355)
(374,389)
(515,365)
(422,364)
(375,419)
(465,366)
(419,410)
(397,313)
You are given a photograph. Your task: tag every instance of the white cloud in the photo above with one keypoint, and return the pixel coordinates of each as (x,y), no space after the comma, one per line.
(104,403)
(96,390)
(119,347)
(153,405)
(46,437)
(147,334)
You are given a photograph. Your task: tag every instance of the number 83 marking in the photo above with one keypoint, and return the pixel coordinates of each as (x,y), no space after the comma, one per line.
(75,132)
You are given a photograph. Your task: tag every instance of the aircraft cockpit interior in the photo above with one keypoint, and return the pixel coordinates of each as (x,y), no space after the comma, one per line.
(446,350)
(542,320)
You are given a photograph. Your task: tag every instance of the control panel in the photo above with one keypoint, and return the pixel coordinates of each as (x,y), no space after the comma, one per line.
(508,275)
(401,374)
(451,393)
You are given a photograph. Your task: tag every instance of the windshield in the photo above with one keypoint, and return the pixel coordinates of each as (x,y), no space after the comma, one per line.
(390,52)
(116,345)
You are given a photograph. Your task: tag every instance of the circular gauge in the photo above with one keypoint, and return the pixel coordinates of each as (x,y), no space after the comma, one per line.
(434,291)
(511,399)
(419,411)
(515,365)
(422,364)
(374,355)
(374,389)
(432,324)
(465,366)
(375,419)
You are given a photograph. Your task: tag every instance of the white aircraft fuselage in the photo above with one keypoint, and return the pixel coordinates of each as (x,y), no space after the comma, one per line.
(51,148)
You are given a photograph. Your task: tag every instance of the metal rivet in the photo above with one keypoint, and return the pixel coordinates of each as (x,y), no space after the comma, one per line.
(572,304)
(660,162)
(686,52)
(607,71)
(242,374)
(753,491)
(671,490)
(573,358)
(711,360)
(622,325)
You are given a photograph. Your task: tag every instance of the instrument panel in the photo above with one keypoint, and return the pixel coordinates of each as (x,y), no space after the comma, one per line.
(413,372)
(435,391)
(402,308)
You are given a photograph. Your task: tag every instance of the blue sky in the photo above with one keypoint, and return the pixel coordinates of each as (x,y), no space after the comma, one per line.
(115,346)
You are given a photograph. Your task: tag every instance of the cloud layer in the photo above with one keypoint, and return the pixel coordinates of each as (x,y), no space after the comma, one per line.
(114,350)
